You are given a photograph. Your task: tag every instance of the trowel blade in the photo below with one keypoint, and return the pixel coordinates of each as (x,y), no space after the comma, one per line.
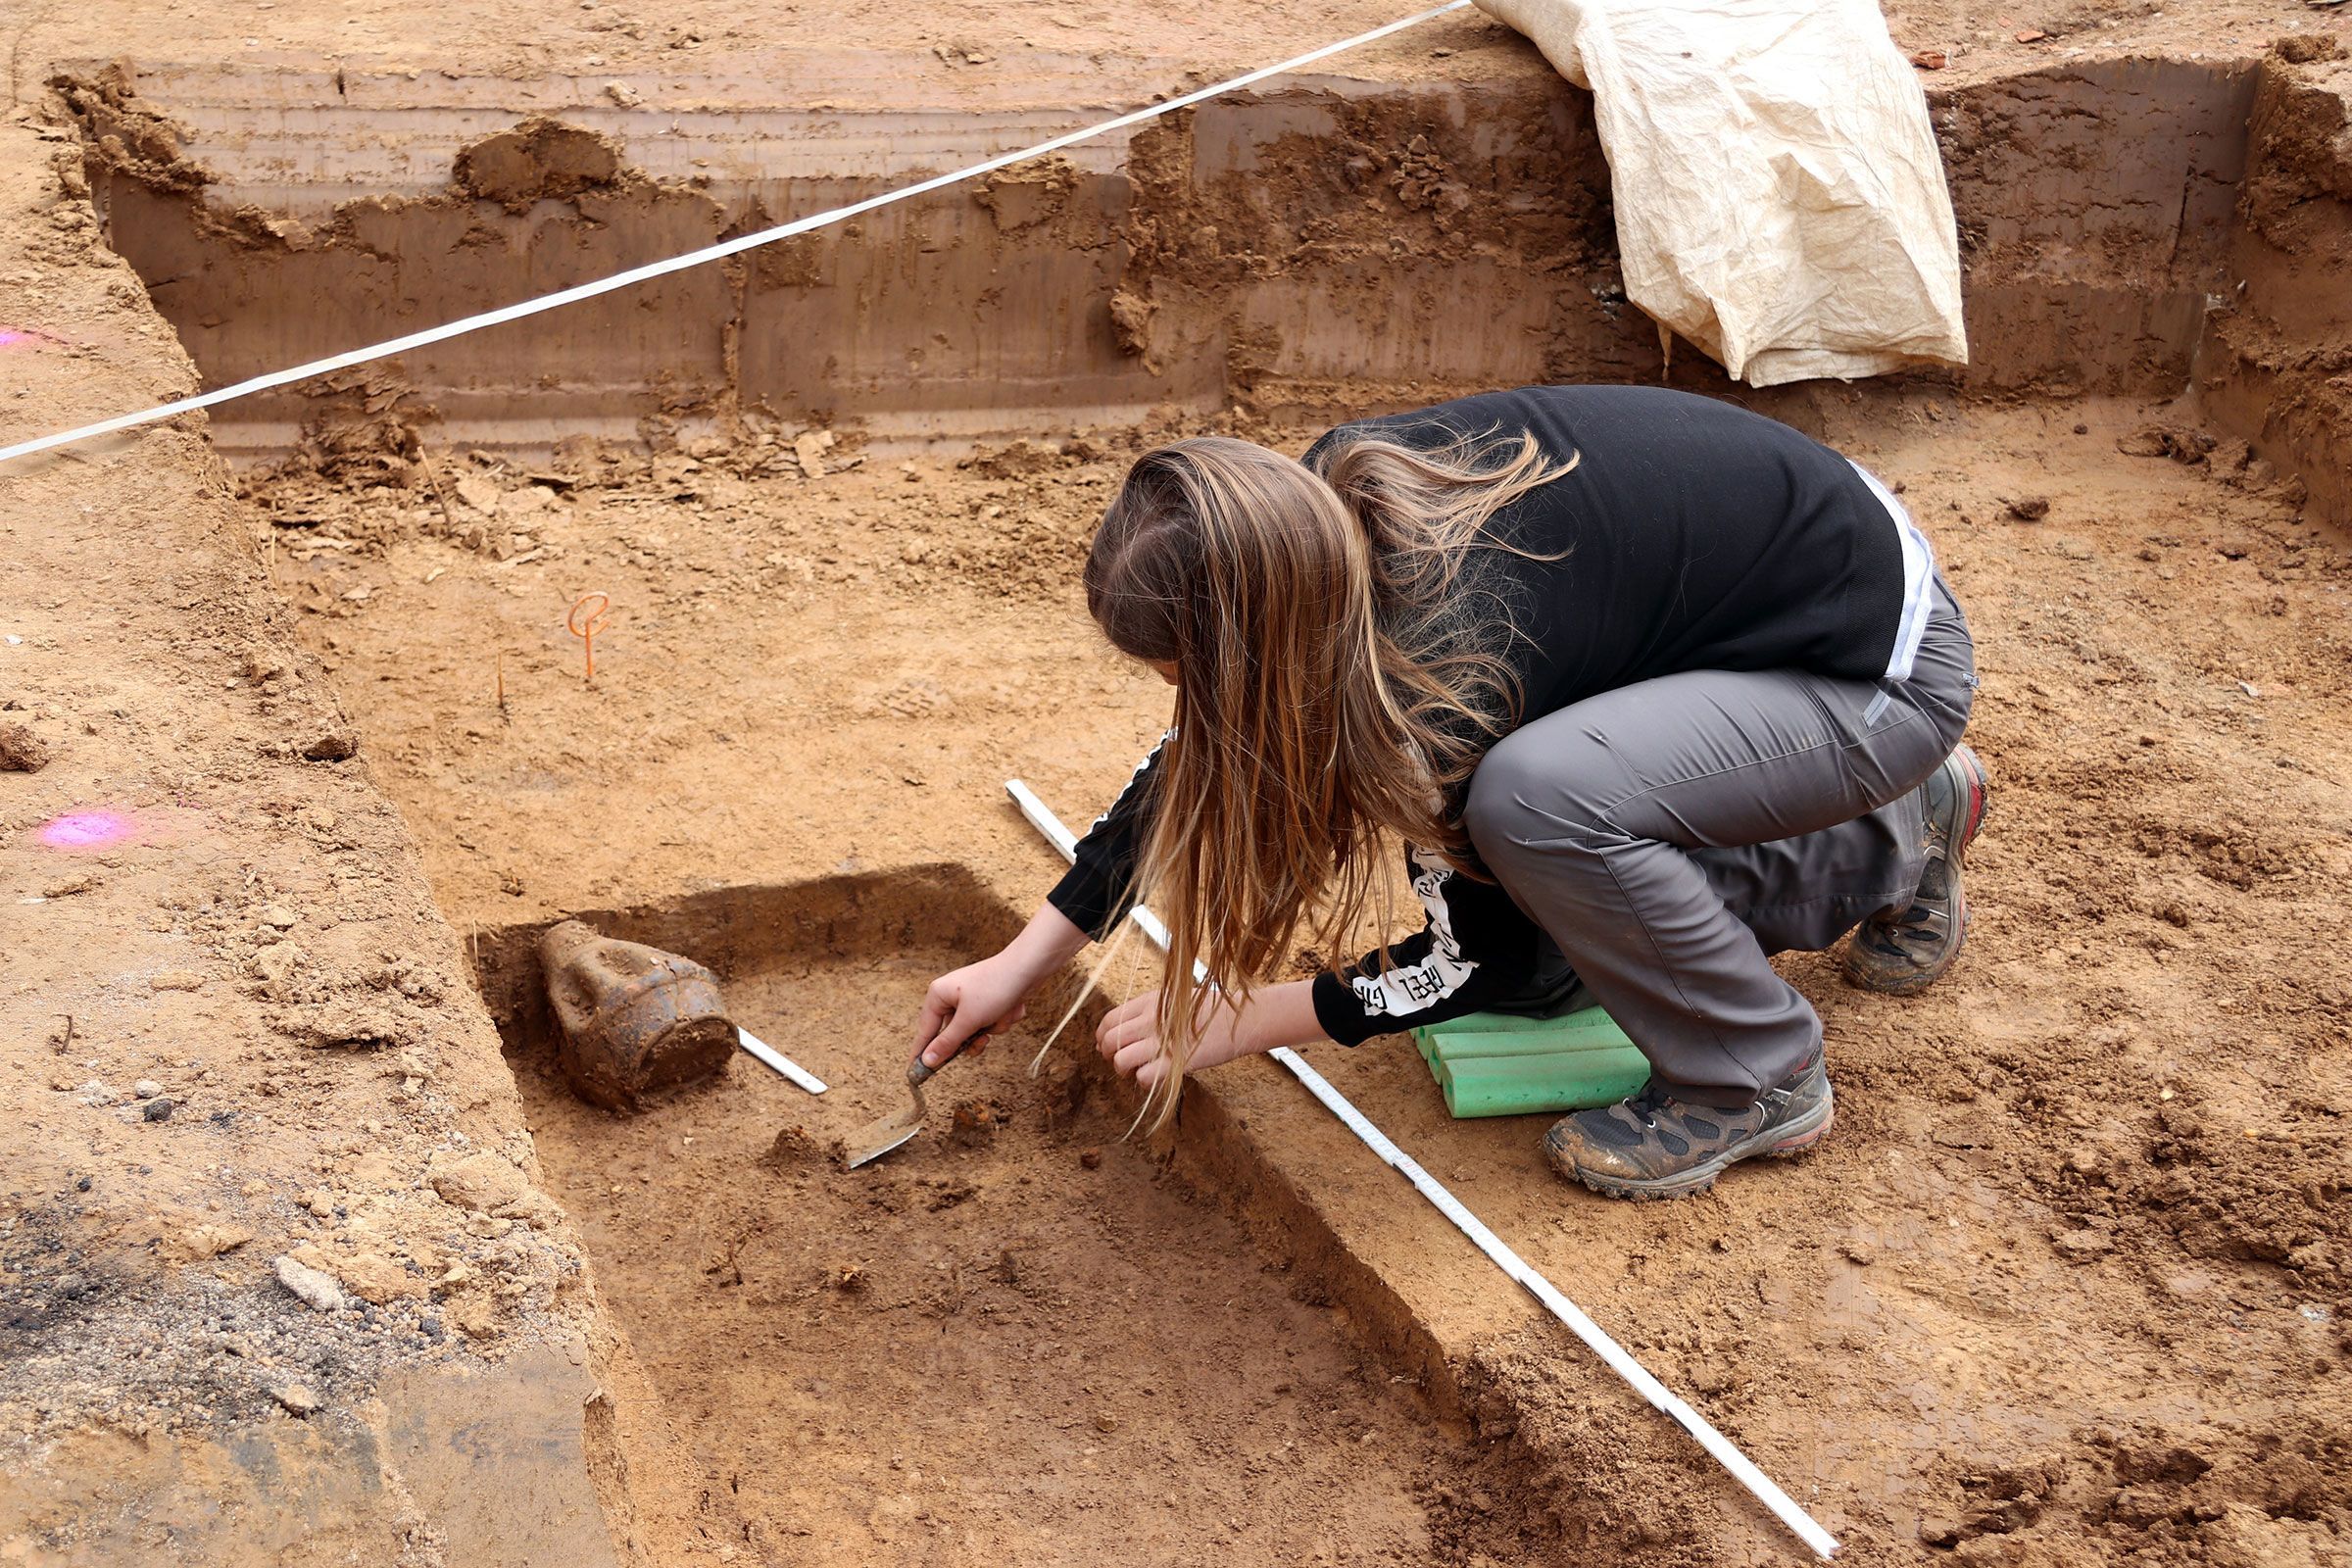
(880,1136)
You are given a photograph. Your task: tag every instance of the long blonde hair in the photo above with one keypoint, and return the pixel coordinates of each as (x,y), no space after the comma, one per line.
(1334,685)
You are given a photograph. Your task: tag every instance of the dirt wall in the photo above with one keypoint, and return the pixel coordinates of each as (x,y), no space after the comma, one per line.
(275,1272)
(1319,249)
(2277,364)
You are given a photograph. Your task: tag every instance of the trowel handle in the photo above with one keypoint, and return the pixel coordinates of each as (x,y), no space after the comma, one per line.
(918,1073)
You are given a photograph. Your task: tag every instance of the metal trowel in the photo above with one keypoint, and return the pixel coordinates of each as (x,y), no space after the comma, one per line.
(885,1133)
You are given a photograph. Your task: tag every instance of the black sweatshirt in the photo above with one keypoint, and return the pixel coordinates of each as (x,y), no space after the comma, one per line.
(1697,536)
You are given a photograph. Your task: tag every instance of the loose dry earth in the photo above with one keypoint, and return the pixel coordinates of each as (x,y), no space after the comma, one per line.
(1018,1338)
(2094,1175)
(2068,1285)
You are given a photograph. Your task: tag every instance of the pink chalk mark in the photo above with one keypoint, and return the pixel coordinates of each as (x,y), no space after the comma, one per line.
(10,339)
(86,830)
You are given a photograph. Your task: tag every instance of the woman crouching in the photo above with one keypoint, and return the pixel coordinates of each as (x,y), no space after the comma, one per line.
(1650,687)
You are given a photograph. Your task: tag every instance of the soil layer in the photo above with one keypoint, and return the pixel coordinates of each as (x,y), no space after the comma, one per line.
(2091,1177)
(2068,1285)
(1016,1337)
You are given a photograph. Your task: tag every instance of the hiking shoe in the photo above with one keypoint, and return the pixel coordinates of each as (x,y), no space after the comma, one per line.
(1898,953)
(1655,1146)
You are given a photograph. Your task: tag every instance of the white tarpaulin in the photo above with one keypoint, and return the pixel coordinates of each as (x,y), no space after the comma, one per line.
(1779,201)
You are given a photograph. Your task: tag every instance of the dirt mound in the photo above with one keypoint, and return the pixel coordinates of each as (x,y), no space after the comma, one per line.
(539,160)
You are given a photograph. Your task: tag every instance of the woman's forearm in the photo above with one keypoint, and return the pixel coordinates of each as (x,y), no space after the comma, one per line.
(1281,1016)
(1048,941)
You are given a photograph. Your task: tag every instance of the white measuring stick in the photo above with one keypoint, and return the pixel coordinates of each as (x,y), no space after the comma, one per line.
(710,253)
(781,1062)
(1618,1359)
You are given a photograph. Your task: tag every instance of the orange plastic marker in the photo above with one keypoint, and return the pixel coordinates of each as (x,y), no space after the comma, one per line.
(586,625)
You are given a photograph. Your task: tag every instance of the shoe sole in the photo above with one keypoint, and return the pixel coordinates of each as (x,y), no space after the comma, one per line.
(1794,1139)
(1975,809)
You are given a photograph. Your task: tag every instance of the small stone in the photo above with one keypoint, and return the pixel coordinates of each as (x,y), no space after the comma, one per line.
(146,1089)
(296,1397)
(1107,1423)
(1091,1158)
(2029,509)
(174,980)
(621,93)
(315,1289)
(157,1109)
(95,1093)
(278,915)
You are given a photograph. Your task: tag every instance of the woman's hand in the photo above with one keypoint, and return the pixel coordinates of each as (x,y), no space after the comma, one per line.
(1274,1015)
(964,1006)
(971,1003)
(1128,1037)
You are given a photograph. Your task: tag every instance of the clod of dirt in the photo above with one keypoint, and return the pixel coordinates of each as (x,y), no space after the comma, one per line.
(1033,193)
(297,1397)
(539,160)
(974,1123)
(2306,51)
(795,1145)
(20,750)
(845,1276)
(350,1026)
(477,1182)
(1091,1158)
(2177,442)
(337,742)
(1131,322)
(809,450)
(2029,509)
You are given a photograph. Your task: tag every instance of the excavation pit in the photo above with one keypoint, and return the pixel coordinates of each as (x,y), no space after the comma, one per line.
(1020,1336)
(2070,1278)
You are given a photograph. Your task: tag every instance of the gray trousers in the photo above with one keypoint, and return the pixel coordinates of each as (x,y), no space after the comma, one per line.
(1670,835)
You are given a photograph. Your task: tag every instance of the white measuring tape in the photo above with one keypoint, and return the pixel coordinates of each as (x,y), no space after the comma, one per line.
(1618,1360)
(711,253)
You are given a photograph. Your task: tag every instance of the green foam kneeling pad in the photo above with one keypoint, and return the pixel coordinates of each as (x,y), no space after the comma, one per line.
(1495,1064)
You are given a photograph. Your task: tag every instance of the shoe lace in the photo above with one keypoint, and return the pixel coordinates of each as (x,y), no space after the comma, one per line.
(1916,921)
(1645,1103)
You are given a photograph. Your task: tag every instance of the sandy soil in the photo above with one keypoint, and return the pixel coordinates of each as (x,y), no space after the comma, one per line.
(2098,1167)
(1013,1338)
(987,44)
(2068,1285)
